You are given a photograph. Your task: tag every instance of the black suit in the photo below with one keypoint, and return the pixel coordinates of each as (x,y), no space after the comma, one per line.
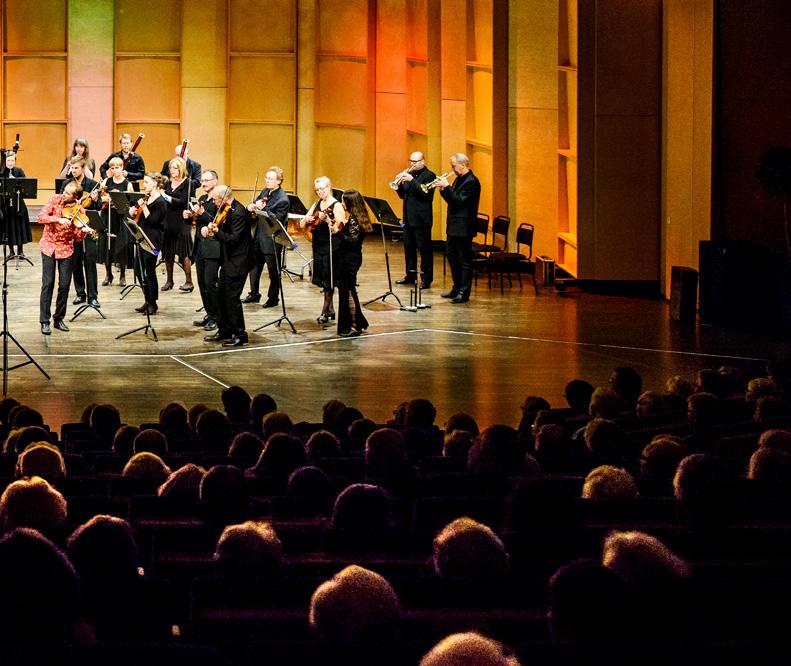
(462,198)
(135,168)
(234,237)
(277,205)
(193,173)
(207,254)
(418,218)
(86,252)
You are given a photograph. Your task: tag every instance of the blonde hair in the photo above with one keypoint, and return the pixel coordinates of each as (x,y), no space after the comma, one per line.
(180,164)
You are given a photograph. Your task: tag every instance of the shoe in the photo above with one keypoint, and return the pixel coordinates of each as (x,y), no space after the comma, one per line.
(45,329)
(186,288)
(167,286)
(426,286)
(271,304)
(79,299)
(217,337)
(405,280)
(449,294)
(152,309)
(121,281)
(211,325)
(107,281)
(331,315)
(322,319)
(94,303)
(460,299)
(201,322)
(142,308)
(349,334)
(236,340)
(252,298)
(61,325)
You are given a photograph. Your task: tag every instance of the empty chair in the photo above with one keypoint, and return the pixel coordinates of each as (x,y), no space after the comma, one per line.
(517,262)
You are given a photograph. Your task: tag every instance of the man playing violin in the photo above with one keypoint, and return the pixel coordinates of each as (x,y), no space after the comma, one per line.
(135,167)
(86,254)
(231,226)
(60,233)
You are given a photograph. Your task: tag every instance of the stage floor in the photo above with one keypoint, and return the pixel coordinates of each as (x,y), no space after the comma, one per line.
(483,357)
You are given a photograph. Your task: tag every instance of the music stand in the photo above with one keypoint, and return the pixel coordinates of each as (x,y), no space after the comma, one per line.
(18,188)
(96,223)
(296,212)
(271,226)
(59,183)
(142,244)
(122,202)
(383,213)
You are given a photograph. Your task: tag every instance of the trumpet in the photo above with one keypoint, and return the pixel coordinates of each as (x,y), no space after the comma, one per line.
(399,177)
(430,186)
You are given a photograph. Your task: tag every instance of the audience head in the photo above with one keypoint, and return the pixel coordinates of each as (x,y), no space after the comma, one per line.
(467,549)
(282,454)
(578,394)
(103,546)
(606,482)
(41,459)
(20,438)
(550,440)
(759,387)
(468,649)
(224,495)
(330,411)
(214,432)
(769,407)
(677,385)
(661,457)
(123,442)
(359,430)
(496,451)
(261,405)
(32,503)
(776,439)
(146,466)
(322,444)
(173,418)
(249,550)
(275,423)
(642,559)
(627,383)
(385,453)
(152,441)
(461,421)
(246,448)
(703,489)
(399,414)
(605,403)
(420,413)
(314,483)
(703,410)
(362,506)
(773,465)
(344,419)
(708,381)
(732,380)
(105,421)
(649,403)
(192,418)
(6,405)
(22,416)
(604,438)
(236,403)
(183,484)
(457,444)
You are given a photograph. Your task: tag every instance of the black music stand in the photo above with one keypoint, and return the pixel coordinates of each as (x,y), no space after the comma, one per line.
(96,223)
(59,183)
(297,212)
(122,202)
(142,244)
(384,214)
(17,189)
(5,184)
(271,226)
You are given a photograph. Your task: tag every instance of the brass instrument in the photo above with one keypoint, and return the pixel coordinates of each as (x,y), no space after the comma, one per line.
(430,186)
(393,184)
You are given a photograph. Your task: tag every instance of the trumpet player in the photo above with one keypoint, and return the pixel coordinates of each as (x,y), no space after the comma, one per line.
(462,198)
(418,218)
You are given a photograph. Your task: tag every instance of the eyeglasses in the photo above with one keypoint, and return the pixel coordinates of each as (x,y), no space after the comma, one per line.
(415,161)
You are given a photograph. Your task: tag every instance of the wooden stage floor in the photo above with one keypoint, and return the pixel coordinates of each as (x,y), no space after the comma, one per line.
(483,357)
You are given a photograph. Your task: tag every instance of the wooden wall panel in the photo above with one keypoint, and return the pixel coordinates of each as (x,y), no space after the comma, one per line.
(338,152)
(147,88)
(253,148)
(391,144)
(343,26)
(391,32)
(342,92)
(42,154)
(481,164)
(90,116)
(258,26)
(417,97)
(453,59)
(202,107)
(479,105)
(417,12)
(148,26)
(157,146)
(262,88)
(34,88)
(479,31)
(35,26)
(204,45)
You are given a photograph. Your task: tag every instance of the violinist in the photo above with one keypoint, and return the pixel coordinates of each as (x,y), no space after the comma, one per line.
(193,167)
(150,214)
(231,227)
(273,200)
(86,254)
(178,234)
(135,167)
(206,253)
(60,234)
(18,224)
(79,149)
(118,247)
(323,213)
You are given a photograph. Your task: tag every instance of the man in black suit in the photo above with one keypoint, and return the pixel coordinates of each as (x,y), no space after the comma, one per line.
(236,246)
(274,201)
(193,168)
(418,218)
(134,166)
(462,198)
(206,254)
(86,252)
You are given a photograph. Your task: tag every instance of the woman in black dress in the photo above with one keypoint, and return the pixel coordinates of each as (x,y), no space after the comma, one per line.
(118,248)
(79,148)
(178,232)
(18,224)
(152,222)
(324,212)
(351,320)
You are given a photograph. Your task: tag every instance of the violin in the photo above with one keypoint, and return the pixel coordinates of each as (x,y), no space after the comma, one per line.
(104,194)
(313,219)
(139,212)
(222,215)
(75,211)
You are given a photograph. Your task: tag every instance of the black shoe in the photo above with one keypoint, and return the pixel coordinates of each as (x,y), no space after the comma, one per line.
(270,304)
(152,309)
(405,280)
(94,303)
(79,299)
(210,325)
(349,334)
(459,298)
(61,325)
(450,294)
(217,337)
(45,329)
(142,308)
(236,340)
(425,286)
(201,322)
(252,298)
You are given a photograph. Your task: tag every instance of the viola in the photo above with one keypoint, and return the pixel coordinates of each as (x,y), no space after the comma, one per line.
(314,221)
(75,211)
(222,215)
(139,212)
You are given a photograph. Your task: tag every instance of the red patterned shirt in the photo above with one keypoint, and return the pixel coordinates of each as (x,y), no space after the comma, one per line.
(57,240)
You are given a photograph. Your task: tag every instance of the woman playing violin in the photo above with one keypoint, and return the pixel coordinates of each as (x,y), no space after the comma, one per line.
(323,213)
(60,233)
(116,249)
(178,233)
(150,214)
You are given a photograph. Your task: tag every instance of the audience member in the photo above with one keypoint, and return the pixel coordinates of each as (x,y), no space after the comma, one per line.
(20,438)
(322,444)
(214,432)
(775,439)
(152,441)
(703,487)
(103,546)
(578,394)
(33,503)
(183,485)
(41,459)
(606,482)
(771,465)
(123,441)
(358,433)
(245,449)
(469,649)
(147,467)
(224,495)
(461,421)
(173,420)
(466,549)
(105,421)
(661,457)
(193,415)
(261,405)
(385,454)
(362,506)
(329,413)
(249,550)
(276,422)
(236,403)
(458,444)
(282,454)
(627,383)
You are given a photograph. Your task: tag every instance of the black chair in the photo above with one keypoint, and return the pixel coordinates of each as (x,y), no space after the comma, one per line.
(482,259)
(518,262)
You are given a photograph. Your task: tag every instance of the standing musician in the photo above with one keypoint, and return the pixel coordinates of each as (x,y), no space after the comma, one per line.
(193,167)
(327,210)
(274,201)
(57,247)
(462,198)
(135,167)
(206,253)
(351,320)
(79,149)
(231,227)
(18,230)
(178,233)
(150,214)
(86,254)
(117,248)
(418,219)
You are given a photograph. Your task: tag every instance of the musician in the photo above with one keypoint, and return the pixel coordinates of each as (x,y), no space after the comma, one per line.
(462,198)
(153,211)
(327,210)
(418,219)
(233,232)
(351,320)
(57,248)
(274,201)
(206,253)
(117,249)
(135,167)
(86,254)
(18,224)
(193,167)
(79,149)
(178,233)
